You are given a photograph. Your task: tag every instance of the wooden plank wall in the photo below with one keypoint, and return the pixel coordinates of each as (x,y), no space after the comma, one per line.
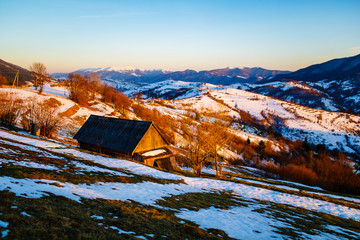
(151,140)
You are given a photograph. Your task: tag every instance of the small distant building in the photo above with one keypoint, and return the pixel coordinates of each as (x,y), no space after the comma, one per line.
(34,129)
(127,139)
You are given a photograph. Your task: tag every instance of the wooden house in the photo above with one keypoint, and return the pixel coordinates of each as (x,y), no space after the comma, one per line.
(127,139)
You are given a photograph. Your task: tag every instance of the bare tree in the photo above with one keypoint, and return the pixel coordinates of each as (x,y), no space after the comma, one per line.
(45,115)
(196,147)
(122,103)
(79,88)
(40,75)
(217,139)
(94,83)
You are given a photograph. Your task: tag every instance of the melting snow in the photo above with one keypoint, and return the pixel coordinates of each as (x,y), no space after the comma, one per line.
(154,152)
(246,219)
(149,192)
(237,222)
(97,217)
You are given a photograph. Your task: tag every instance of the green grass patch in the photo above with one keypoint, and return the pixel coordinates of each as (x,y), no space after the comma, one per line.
(246,174)
(197,201)
(55,217)
(66,163)
(263,184)
(298,221)
(22,172)
(303,194)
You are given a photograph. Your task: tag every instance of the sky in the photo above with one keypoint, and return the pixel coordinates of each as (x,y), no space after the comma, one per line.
(174,35)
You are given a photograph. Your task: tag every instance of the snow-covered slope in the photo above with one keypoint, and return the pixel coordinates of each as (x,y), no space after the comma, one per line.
(332,85)
(334,129)
(168,89)
(262,210)
(74,115)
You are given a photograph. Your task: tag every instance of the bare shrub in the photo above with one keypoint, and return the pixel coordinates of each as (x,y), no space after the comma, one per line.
(45,115)
(38,70)
(164,123)
(122,103)
(78,87)
(10,108)
(94,83)
(270,168)
(52,102)
(299,173)
(111,95)
(3,80)
(246,118)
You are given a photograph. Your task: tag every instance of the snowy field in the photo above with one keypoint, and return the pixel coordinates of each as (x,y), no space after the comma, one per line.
(250,222)
(334,129)
(60,94)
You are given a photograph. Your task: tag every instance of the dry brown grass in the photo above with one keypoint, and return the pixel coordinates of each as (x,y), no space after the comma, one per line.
(10,109)
(80,119)
(70,111)
(55,217)
(299,173)
(52,102)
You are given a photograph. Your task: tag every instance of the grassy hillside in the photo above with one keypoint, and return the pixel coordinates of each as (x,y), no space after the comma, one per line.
(287,141)
(52,190)
(9,70)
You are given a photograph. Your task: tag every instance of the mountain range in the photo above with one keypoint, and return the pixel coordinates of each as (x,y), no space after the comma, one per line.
(333,85)
(216,76)
(45,181)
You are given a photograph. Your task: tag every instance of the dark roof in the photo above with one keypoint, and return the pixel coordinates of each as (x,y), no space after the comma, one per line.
(112,133)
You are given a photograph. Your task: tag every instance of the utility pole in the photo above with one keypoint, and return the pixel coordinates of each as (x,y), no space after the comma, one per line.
(16,79)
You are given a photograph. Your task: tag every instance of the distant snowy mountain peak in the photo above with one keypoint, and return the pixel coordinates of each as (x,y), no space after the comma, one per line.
(89,70)
(216,76)
(119,69)
(332,85)
(115,69)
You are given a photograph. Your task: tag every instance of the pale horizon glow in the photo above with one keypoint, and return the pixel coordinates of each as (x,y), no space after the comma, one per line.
(177,35)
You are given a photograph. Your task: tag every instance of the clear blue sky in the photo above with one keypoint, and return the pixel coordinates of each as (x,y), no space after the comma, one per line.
(67,35)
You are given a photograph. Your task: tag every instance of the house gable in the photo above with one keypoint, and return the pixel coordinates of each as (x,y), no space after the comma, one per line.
(152,139)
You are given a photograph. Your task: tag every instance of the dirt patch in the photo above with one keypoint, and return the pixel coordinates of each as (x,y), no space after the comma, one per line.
(70,112)
(61,84)
(80,119)
(52,102)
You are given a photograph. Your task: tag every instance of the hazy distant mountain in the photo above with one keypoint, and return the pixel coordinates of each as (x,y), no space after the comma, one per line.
(121,74)
(9,71)
(225,76)
(217,76)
